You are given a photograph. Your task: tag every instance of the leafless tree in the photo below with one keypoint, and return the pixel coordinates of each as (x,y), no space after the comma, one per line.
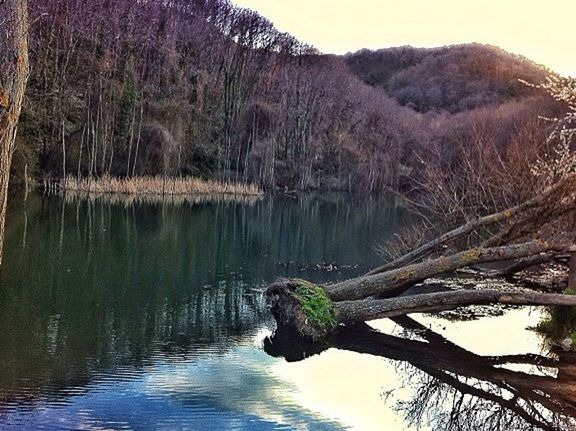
(13,77)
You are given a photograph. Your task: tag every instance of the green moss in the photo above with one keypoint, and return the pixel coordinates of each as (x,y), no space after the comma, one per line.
(317,306)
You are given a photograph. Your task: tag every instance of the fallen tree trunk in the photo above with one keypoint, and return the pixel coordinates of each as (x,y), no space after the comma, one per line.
(525,263)
(312,311)
(473,225)
(370,309)
(393,282)
(304,309)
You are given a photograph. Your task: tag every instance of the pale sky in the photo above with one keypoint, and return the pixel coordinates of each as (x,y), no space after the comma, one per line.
(544,30)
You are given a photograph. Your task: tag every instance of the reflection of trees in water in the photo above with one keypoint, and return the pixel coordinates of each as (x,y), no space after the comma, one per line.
(455,389)
(129,200)
(96,288)
(63,341)
(92,288)
(459,390)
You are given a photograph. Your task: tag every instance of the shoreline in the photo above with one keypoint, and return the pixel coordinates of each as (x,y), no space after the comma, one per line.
(155,186)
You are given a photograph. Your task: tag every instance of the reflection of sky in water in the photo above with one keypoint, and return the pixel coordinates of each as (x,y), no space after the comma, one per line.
(232,390)
(243,388)
(151,317)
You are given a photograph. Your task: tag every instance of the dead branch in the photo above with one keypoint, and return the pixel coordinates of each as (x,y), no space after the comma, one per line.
(393,282)
(371,309)
(552,193)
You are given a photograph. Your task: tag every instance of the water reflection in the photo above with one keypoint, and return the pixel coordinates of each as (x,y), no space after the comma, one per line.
(455,389)
(96,294)
(129,200)
(126,315)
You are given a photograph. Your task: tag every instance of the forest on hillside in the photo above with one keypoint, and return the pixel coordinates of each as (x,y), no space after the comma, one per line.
(130,88)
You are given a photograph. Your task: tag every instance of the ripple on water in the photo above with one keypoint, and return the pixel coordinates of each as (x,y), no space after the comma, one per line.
(150,317)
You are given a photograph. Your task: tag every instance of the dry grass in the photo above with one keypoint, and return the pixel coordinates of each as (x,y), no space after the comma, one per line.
(157,186)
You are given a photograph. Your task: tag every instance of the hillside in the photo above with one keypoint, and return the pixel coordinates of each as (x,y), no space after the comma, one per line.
(128,88)
(454,78)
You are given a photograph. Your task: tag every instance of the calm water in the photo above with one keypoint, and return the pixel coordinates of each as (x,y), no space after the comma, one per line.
(150,316)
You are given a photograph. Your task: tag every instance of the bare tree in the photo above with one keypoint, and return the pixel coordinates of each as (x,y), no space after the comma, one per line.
(13,77)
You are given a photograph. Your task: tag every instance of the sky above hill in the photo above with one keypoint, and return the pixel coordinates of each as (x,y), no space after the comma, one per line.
(540,30)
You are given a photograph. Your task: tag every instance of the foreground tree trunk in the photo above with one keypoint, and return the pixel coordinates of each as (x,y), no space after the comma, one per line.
(13,78)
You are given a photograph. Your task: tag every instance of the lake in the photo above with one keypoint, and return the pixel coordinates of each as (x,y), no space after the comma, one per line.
(144,315)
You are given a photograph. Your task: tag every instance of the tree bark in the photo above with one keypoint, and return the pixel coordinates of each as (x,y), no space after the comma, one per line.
(292,316)
(370,309)
(572,269)
(13,78)
(393,282)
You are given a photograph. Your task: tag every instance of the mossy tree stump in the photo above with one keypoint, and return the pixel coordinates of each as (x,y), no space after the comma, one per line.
(302,308)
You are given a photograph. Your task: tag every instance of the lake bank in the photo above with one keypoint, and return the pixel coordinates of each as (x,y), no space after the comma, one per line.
(156,185)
